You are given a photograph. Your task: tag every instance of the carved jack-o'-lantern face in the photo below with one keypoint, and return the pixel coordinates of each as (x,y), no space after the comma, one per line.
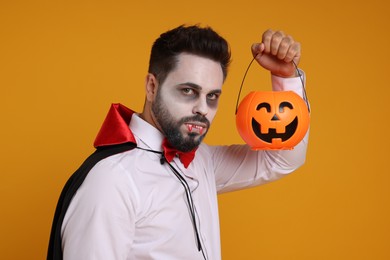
(272,120)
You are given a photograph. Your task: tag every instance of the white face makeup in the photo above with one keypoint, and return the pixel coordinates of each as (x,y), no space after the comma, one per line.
(187,101)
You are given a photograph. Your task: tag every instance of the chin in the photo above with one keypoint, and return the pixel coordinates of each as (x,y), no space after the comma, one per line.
(196,138)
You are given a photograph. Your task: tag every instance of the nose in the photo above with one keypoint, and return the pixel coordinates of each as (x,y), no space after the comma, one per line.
(275,118)
(201,107)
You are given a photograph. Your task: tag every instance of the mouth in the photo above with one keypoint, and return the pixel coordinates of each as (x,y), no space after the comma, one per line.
(274,133)
(196,128)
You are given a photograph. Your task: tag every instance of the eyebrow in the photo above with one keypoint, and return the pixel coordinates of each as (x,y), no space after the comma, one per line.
(199,88)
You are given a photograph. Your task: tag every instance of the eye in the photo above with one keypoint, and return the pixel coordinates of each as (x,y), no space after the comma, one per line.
(283,105)
(212,96)
(188,91)
(264,105)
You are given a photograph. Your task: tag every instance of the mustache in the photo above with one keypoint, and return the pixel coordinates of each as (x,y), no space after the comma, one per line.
(196,118)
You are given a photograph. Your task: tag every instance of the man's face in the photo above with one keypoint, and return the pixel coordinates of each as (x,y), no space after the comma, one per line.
(187,101)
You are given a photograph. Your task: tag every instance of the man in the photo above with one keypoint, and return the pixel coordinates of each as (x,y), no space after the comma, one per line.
(148,201)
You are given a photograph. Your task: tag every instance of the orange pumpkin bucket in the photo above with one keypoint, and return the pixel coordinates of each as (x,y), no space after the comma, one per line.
(272,120)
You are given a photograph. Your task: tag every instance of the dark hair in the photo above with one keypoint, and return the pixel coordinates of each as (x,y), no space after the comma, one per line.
(204,42)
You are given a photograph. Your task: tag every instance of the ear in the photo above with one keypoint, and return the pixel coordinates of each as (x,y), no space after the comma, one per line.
(151,85)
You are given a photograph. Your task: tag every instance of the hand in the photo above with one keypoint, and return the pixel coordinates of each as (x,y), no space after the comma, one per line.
(276,53)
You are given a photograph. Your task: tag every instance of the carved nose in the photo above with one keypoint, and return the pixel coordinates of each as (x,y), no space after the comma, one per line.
(275,118)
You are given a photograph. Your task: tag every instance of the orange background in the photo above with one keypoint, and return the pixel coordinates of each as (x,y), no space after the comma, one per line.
(62,63)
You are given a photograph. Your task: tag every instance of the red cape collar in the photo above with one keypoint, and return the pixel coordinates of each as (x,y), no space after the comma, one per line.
(115,128)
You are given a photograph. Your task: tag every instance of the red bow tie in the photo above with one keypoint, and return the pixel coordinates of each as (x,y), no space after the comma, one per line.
(170,152)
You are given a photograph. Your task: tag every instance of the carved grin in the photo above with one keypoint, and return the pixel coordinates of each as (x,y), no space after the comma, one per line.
(272,134)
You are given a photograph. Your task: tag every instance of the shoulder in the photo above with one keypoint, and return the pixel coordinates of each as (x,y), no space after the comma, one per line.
(110,178)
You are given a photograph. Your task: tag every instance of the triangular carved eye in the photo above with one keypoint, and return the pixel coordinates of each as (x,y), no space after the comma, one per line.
(283,105)
(265,105)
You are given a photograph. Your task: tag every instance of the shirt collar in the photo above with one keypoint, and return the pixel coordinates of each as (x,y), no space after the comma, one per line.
(147,134)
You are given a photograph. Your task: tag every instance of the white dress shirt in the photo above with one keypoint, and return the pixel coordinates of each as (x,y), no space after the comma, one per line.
(130,206)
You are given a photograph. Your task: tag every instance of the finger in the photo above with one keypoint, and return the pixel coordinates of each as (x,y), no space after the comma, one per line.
(284,47)
(266,40)
(257,48)
(293,53)
(275,42)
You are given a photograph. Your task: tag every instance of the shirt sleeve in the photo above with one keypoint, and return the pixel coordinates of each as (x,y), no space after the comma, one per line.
(238,167)
(295,84)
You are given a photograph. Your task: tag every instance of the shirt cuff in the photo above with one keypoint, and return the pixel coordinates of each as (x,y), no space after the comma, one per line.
(289,84)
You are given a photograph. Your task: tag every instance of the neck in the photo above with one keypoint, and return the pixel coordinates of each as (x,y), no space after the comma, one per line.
(147,115)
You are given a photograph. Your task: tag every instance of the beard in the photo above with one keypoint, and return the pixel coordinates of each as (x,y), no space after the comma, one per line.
(171,128)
